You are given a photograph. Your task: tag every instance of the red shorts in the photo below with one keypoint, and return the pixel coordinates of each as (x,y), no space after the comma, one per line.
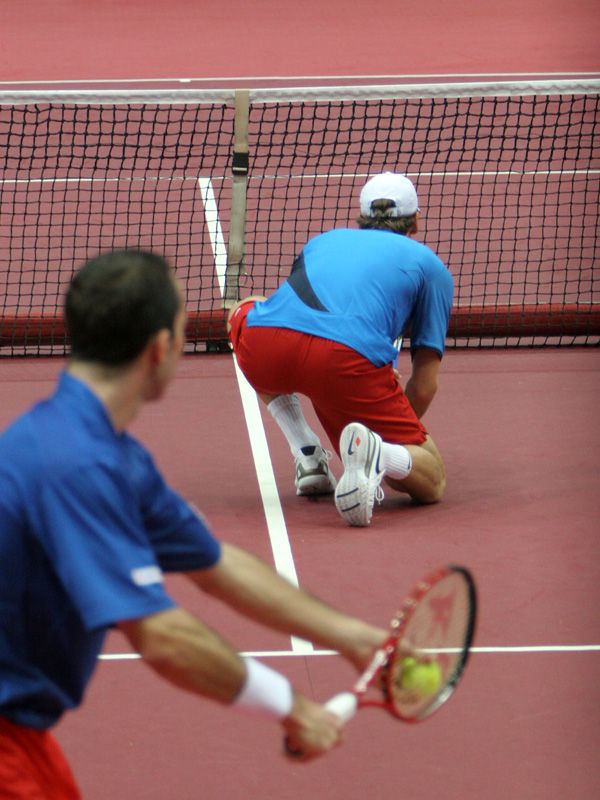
(32,766)
(342,385)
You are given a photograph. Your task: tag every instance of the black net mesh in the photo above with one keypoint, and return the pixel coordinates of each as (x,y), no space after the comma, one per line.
(509,188)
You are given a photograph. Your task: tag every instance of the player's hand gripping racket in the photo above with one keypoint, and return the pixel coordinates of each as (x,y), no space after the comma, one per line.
(419,666)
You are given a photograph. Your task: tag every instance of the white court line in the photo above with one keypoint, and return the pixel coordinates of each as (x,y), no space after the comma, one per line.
(306,176)
(280,543)
(215,232)
(104,179)
(545,648)
(467,173)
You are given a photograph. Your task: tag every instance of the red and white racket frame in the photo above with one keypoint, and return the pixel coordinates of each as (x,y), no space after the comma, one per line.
(346,704)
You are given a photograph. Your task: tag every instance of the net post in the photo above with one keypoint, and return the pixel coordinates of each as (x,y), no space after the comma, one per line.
(239,166)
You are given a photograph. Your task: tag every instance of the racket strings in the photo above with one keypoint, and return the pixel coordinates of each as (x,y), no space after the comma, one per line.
(434,627)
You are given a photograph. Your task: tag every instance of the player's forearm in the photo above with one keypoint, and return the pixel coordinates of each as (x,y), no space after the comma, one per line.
(253,588)
(419,395)
(422,385)
(188,654)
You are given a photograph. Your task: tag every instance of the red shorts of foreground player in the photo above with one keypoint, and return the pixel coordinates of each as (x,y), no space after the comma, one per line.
(32,766)
(342,385)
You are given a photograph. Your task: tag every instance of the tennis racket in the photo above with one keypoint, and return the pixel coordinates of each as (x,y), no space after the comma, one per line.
(434,626)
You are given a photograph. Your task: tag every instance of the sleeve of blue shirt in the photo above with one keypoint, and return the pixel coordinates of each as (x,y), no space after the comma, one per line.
(95,539)
(121,532)
(179,536)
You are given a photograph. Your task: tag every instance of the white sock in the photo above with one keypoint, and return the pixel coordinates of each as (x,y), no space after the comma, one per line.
(287,413)
(396,460)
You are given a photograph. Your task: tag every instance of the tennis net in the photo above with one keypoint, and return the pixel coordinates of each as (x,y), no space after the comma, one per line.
(229,186)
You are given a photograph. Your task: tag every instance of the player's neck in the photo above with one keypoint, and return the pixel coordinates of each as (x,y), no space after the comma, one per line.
(118,389)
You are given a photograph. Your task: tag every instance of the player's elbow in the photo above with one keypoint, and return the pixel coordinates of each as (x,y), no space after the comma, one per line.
(159,638)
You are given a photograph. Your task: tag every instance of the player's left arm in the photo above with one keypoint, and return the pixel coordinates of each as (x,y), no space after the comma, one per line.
(428,329)
(254,589)
(422,385)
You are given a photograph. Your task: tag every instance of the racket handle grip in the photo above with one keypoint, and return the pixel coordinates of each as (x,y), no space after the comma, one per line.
(343,705)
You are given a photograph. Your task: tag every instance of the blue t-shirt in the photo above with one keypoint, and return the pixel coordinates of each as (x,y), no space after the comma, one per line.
(87,524)
(364,288)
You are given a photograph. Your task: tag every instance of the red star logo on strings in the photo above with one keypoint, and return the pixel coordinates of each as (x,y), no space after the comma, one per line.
(441,613)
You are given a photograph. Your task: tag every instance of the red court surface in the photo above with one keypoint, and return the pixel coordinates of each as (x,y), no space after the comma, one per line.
(70,41)
(519,431)
(522,509)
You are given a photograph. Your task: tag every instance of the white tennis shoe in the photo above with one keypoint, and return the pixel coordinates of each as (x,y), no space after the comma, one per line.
(313,475)
(358,488)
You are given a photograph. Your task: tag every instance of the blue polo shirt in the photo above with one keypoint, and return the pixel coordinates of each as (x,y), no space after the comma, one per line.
(364,288)
(87,524)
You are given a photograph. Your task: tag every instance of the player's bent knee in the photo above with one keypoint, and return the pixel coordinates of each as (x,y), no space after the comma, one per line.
(426,491)
(437,484)
(435,492)
(427,481)
(434,486)
(429,492)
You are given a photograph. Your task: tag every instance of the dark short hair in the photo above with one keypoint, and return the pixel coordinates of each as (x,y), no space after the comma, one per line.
(116,303)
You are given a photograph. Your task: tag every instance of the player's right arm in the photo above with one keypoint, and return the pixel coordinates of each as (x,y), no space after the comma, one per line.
(422,385)
(428,329)
(188,654)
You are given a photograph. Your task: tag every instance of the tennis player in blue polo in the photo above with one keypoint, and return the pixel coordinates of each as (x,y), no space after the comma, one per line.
(329,332)
(88,526)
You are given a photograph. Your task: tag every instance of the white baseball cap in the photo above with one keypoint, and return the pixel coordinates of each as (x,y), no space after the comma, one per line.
(390,186)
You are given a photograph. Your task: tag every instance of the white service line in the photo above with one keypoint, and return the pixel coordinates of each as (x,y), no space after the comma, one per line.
(206,185)
(278,535)
(544,648)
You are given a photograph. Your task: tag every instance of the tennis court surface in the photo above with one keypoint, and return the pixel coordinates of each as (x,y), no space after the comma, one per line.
(521,510)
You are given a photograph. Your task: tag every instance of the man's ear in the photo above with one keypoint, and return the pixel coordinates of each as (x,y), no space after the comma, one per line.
(159,345)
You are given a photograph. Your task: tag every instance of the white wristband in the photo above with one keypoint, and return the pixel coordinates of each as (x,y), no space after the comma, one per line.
(265,690)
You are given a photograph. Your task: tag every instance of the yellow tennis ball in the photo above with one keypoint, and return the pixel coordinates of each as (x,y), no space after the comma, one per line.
(425,679)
